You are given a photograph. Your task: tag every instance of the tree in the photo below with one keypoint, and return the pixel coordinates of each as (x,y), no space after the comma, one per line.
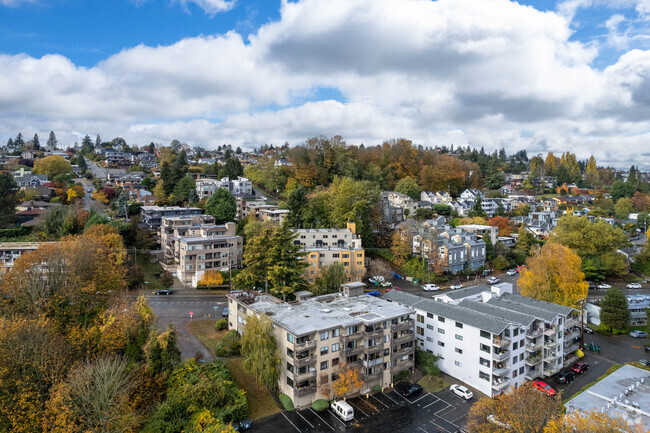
(353,201)
(621,189)
(256,260)
(233,168)
(623,208)
(260,349)
(591,422)
(211,278)
(401,245)
(477,209)
(503,223)
(330,279)
(641,202)
(10,143)
(166,279)
(95,397)
(183,189)
(347,381)
(592,172)
(408,186)
(51,142)
(87,145)
(442,209)
(553,274)
(37,143)
(524,410)
(81,162)
(19,142)
(379,268)
(222,206)
(614,313)
(122,206)
(52,165)
(297,204)
(285,271)
(9,198)
(98,142)
(500,210)
(151,149)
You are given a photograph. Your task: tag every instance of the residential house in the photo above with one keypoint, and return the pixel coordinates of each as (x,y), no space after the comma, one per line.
(317,335)
(276,216)
(254,208)
(240,186)
(399,200)
(472,194)
(438,197)
(25,178)
(152,215)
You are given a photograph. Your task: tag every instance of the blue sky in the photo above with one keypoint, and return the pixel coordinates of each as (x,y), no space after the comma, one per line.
(540,75)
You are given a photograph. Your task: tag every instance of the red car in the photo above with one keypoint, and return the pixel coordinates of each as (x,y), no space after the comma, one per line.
(544,387)
(580,367)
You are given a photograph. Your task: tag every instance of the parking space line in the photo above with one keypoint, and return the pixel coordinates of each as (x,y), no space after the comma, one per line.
(366,403)
(423,429)
(326,423)
(425,395)
(443,429)
(433,402)
(444,408)
(360,410)
(337,418)
(294,426)
(379,400)
(407,400)
(390,398)
(454,421)
(305,419)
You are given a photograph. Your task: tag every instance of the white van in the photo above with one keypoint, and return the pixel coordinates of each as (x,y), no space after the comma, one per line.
(343,410)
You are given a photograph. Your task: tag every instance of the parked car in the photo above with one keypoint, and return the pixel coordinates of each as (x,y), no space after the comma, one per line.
(592,286)
(386,284)
(588,330)
(430,288)
(580,367)
(456,286)
(376,279)
(493,280)
(406,389)
(604,286)
(462,430)
(374,293)
(242,425)
(343,410)
(634,286)
(164,292)
(224,313)
(566,377)
(461,391)
(511,272)
(644,362)
(638,334)
(544,387)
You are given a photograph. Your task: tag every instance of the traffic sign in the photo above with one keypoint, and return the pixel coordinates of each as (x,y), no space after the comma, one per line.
(191,314)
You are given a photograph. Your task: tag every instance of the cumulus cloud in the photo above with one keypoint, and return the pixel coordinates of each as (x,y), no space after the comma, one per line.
(211,7)
(487,73)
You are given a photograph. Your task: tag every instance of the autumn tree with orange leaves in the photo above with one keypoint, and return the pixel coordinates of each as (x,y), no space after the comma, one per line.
(348,381)
(211,278)
(503,223)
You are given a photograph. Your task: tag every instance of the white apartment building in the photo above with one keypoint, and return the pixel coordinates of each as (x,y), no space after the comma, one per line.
(493,339)
(194,244)
(152,215)
(316,335)
(205,187)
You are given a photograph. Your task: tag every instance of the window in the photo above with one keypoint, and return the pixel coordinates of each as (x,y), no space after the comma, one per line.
(441,344)
(485,334)
(430,340)
(336,347)
(459,337)
(484,362)
(430,315)
(290,367)
(459,325)
(323,365)
(290,382)
(521,370)
(458,363)
(335,332)
(430,327)
(515,346)
(289,353)
(459,350)
(420,331)
(440,330)
(335,362)
(346,263)
(289,337)
(336,255)
(485,348)
(514,374)
(324,350)
(359,255)
(441,319)
(346,256)
(420,318)
(515,332)
(324,335)
(484,376)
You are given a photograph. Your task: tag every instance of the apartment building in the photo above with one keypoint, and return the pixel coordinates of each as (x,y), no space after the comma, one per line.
(317,335)
(254,208)
(152,215)
(326,246)
(276,216)
(491,338)
(240,186)
(11,251)
(194,244)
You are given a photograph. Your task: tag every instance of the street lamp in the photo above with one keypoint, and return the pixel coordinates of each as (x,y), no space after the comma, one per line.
(582,324)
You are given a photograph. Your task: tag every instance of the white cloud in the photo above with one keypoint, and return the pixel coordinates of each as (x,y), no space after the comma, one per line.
(488,73)
(211,7)
(16,3)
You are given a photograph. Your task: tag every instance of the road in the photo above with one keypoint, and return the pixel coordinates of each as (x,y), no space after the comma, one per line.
(89,203)
(176,309)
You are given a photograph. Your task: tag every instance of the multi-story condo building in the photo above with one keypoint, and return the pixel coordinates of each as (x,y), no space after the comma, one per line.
(326,246)
(273,215)
(11,251)
(206,187)
(152,215)
(194,244)
(253,208)
(316,336)
(491,338)
(438,197)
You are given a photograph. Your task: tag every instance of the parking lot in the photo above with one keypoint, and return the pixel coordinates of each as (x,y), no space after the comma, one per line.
(384,412)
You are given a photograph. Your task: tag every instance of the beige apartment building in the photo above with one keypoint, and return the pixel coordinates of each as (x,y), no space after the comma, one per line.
(326,246)
(317,335)
(253,208)
(194,244)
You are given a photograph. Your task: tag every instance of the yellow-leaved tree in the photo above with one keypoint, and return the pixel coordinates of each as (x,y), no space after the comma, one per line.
(211,278)
(348,381)
(553,274)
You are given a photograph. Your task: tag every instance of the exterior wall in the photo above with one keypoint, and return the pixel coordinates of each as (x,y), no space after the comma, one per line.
(153,215)
(10,251)
(273,215)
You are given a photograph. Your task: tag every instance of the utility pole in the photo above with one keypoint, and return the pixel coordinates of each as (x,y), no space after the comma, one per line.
(582,324)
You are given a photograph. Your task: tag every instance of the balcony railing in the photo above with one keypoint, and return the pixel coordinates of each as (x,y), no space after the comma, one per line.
(534,333)
(500,356)
(551,355)
(550,331)
(375,333)
(299,377)
(533,347)
(571,322)
(305,390)
(376,374)
(404,364)
(372,363)
(349,337)
(404,337)
(550,371)
(533,360)
(352,350)
(305,344)
(501,342)
(501,371)
(571,347)
(550,344)
(408,324)
(533,374)
(299,362)
(404,351)
(500,384)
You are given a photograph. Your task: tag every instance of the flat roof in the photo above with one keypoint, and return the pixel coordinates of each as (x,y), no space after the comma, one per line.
(326,312)
(633,407)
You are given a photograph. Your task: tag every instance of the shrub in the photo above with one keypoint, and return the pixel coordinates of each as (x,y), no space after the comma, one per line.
(426,362)
(402,375)
(286,402)
(320,405)
(376,388)
(232,342)
(221,325)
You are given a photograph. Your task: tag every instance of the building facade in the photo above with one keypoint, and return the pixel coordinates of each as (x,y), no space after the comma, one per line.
(323,247)
(493,339)
(241,186)
(152,215)
(318,335)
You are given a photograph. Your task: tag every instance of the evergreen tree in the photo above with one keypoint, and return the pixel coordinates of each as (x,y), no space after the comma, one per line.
(86,145)
(238,150)
(592,172)
(500,210)
(297,204)
(19,142)
(233,168)
(98,142)
(37,144)
(192,198)
(152,148)
(9,199)
(51,142)
(477,209)
(222,206)
(81,162)
(256,261)
(10,142)
(286,270)
(122,205)
(614,313)
(168,177)
(183,188)
(489,248)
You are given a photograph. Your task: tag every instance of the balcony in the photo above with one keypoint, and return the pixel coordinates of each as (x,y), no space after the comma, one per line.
(550,331)
(572,334)
(405,337)
(299,362)
(353,350)
(533,360)
(501,356)
(548,355)
(372,363)
(404,364)
(550,371)
(376,333)
(305,390)
(534,333)
(533,373)
(533,347)
(403,351)
(501,371)
(350,337)
(500,384)
(572,322)
(299,377)
(305,345)
(374,375)
(571,347)
(501,342)
(549,344)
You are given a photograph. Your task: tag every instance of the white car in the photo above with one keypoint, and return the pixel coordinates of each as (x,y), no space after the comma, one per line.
(456,286)
(461,391)
(634,286)
(604,286)
(511,272)
(343,410)
(493,280)
(430,288)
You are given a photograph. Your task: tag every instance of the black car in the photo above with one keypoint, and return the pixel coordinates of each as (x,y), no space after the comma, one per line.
(408,389)
(242,425)
(588,330)
(566,377)
(592,286)
(164,292)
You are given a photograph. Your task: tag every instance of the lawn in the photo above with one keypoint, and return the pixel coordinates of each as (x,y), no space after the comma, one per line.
(150,271)
(204,331)
(433,384)
(260,402)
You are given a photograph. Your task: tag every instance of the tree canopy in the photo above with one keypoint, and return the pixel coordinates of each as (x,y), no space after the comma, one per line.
(222,206)
(260,348)
(614,313)
(52,165)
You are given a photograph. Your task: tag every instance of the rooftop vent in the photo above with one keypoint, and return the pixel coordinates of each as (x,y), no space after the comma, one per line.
(326,310)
